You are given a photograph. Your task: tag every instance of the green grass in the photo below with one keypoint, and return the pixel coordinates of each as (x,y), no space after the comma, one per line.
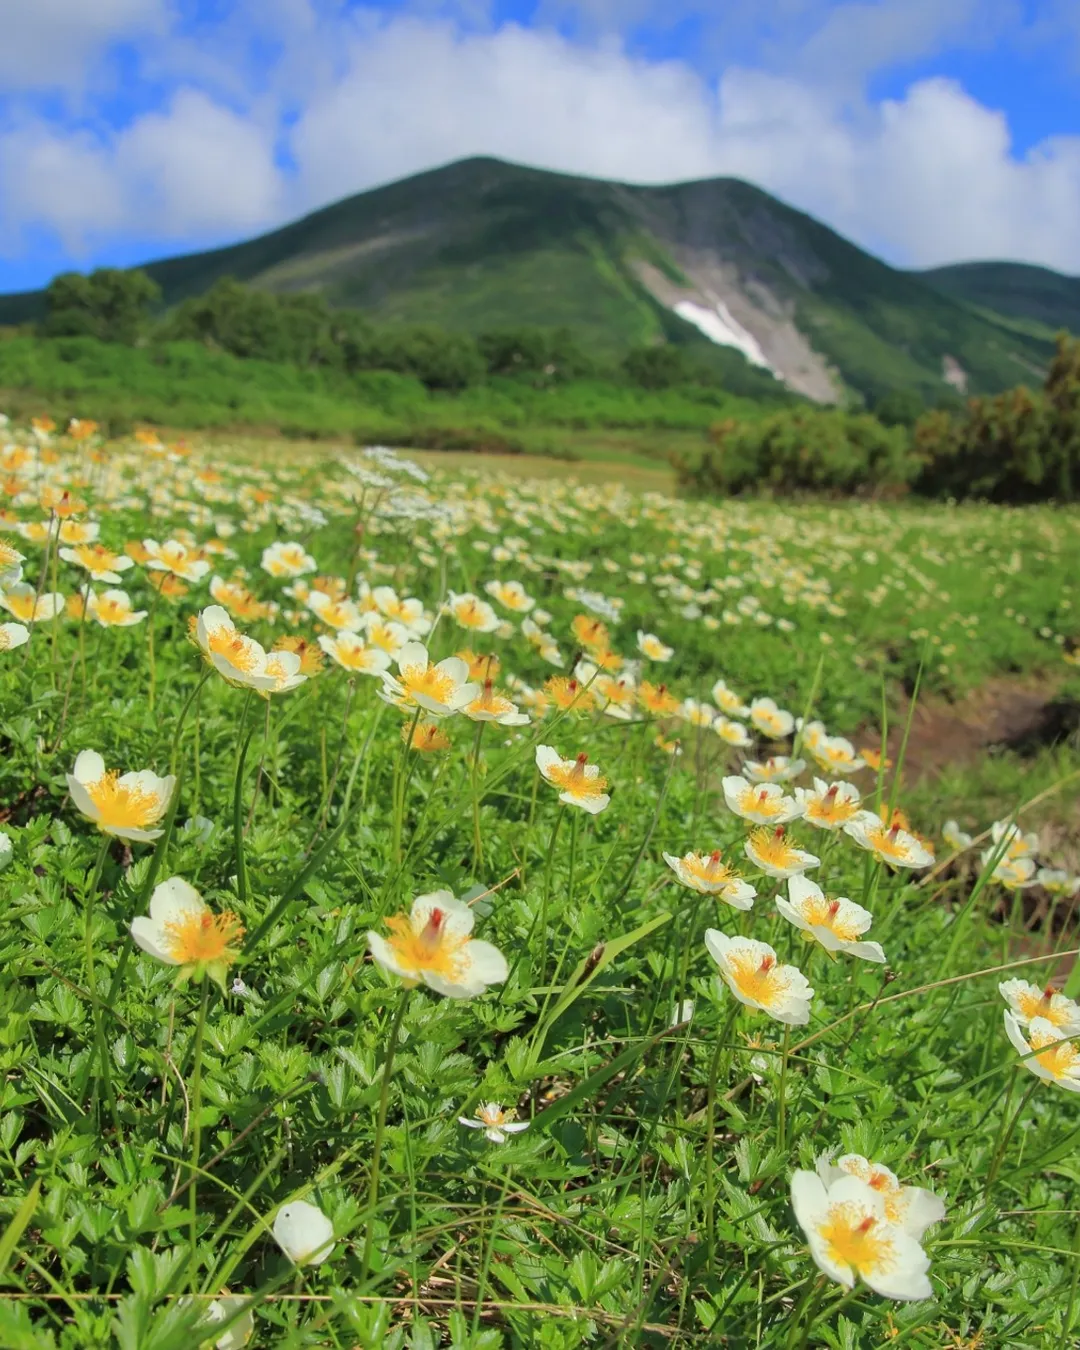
(151,1131)
(185,385)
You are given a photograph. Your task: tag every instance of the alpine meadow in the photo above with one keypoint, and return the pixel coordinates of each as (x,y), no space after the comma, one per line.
(447,907)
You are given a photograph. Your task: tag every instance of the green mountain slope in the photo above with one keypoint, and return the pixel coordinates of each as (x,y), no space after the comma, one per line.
(1019,290)
(482,244)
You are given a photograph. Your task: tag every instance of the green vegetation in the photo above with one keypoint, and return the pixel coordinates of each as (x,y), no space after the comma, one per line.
(481,245)
(1022,446)
(225,1119)
(1035,295)
(186,385)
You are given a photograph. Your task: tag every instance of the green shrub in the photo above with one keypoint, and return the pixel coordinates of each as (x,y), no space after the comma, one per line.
(808,449)
(1021,446)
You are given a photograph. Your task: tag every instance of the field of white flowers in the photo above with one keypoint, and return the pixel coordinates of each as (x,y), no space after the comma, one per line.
(455,910)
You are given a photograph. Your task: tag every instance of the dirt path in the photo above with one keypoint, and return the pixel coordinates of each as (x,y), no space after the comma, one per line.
(1017,714)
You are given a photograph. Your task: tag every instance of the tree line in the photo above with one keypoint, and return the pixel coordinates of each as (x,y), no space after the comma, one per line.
(301,329)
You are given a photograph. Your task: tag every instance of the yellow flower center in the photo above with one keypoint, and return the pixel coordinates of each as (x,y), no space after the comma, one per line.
(431,949)
(490,701)
(9,556)
(491,1115)
(234,647)
(823,913)
(124,806)
(854,1238)
(469,614)
(96,557)
(428,681)
(569,694)
(1037,1003)
(773,848)
(831,808)
(111,611)
(757,978)
(760,802)
(199,936)
(573,779)
(711,870)
(1058,1057)
(21,605)
(381,635)
(888,843)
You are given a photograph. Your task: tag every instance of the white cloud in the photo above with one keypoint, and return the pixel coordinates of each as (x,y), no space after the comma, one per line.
(929,177)
(50,43)
(191,171)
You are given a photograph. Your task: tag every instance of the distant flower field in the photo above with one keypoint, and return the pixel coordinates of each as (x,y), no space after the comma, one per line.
(444,909)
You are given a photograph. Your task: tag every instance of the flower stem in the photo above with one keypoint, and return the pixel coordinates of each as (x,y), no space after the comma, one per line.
(710,1130)
(380,1130)
(478,843)
(547,892)
(1004,1139)
(781,1098)
(196,1135)
(101,1052)
(150,643)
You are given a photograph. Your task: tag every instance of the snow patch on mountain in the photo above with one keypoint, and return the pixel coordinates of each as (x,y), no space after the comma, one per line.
(721,327)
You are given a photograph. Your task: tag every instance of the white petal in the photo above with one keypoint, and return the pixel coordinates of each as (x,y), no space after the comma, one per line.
(304,1233)
(89,767)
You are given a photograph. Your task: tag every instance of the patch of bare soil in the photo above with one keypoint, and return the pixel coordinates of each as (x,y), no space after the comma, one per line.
(1003,713)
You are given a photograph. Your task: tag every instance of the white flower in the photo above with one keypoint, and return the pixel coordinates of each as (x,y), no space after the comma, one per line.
(511,595)
(1047,1051)
(762,803)
(333,611)
(775,769)
(1014,872)
(837,755)
(581,782)
(837,924)
(471,613)
(22,600)
(177,558)
(304,1233)
(495,1123)
(889,844)
(955,837)
(752,973)
(349,650)
(287,560)
(728,701)
(733,733)
(850,1237)
(239,1332)
(650,646)
(182,930)
(696,713)
(1057,881)
(128,805)
(829,806)
(707,874)
(770,720)
(432,943)
(5,851)
(912,1207)
(492,706)
(770,851)
(13,635)
(239,659)
(1028,1001)
(113,609)
(441,689)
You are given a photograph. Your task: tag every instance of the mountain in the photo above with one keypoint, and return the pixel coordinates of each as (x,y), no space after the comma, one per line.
(1019,290)
(481,244)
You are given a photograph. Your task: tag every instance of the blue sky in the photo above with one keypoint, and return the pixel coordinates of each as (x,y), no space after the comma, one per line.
(927,130)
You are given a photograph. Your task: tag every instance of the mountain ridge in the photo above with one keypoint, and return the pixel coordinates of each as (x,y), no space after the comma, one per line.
(482,244)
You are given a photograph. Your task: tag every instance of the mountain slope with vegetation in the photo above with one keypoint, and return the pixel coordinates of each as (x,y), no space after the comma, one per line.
(481,244)
(1036,295)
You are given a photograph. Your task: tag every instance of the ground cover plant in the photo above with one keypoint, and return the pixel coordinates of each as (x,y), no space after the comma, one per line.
(461,910)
